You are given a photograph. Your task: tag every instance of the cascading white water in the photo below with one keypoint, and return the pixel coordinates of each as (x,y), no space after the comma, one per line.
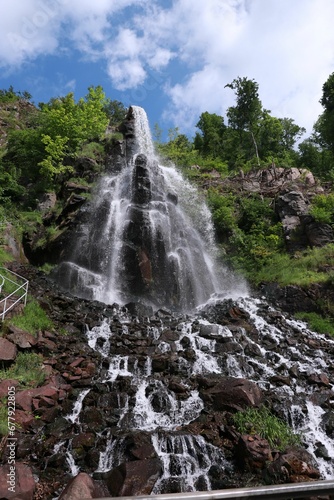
(154,408)
(150,236)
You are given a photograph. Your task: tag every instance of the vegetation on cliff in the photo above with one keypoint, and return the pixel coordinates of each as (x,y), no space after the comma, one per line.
(62,143)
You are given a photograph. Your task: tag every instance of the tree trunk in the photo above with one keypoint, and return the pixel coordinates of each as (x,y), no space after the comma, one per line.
(256,149)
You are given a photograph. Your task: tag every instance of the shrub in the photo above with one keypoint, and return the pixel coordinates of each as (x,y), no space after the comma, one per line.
(262,422)
(322,208)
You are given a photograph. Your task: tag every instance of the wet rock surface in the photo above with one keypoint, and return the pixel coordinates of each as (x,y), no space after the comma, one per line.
(139,397)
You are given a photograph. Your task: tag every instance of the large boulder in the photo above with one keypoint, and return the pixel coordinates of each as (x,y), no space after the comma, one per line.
(318,234)
(82,487)
(234,393)
(296,465)
(134,478)
(253,452)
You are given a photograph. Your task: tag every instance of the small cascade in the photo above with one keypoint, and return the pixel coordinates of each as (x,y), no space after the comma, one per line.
(187,461)
(75,415)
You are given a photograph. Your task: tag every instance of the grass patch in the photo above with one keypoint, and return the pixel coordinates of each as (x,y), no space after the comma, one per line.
(317,322)
(262,422)
(5,257)
(301,269)
(27,369)
(33,318)
(3,417)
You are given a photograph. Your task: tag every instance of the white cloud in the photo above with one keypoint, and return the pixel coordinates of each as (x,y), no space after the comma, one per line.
(286,46)
(126,74)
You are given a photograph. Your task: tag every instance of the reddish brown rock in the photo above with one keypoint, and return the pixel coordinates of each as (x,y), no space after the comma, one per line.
(253,452)
(82,487)
(77,362)
(236,393)
(24,399)
(319,379)
(134,478)
(5,385)
(23,419)
(21,338)
(21,485)
(295,465)
(8,350)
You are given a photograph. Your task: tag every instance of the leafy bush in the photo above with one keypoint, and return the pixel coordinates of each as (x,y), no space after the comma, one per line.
(262,422)
(223,211)
(33,318)
(27,369)
(322,208)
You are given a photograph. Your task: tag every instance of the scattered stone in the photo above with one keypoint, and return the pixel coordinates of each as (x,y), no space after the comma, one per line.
(8,350)
(21,338)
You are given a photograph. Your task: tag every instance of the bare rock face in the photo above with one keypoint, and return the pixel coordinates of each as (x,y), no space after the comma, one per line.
(16,482)
(134,478)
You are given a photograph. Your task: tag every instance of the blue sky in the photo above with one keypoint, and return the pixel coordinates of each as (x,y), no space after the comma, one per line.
(172,57)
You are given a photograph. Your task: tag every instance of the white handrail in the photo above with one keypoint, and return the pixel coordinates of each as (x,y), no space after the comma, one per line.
(23,286)
(271,492)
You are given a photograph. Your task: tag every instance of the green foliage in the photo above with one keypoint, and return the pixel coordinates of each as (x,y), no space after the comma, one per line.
(52,164)
(42,155)
(223,211)
(262,422)
(33,318)
(210,141)
(301,269)
(10,95)
(115,111)
(27,369)
(317,322)
(4,257)
(322,208)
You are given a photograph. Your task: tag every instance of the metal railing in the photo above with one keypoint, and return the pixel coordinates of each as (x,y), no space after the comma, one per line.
(273,492)
(19,294)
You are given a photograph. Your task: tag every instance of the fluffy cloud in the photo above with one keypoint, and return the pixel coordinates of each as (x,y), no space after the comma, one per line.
(287,47)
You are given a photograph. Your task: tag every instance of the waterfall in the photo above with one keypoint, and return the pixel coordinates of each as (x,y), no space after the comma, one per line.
(149,235)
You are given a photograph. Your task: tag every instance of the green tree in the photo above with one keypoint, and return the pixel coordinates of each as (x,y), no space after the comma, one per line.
(324,127)
(210,141)
(115,110)
(245,116)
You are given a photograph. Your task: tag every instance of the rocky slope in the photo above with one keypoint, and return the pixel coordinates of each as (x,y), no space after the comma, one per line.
(54,441)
